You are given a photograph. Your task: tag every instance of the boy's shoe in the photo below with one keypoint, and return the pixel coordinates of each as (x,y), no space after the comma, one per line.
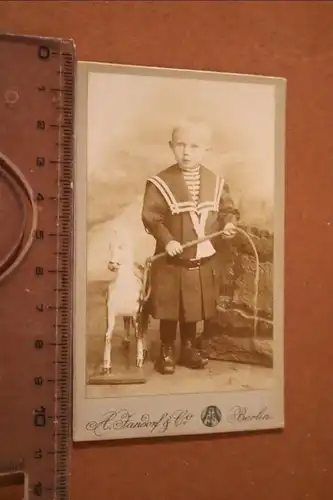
(202,344)
(190,357)
(165,364)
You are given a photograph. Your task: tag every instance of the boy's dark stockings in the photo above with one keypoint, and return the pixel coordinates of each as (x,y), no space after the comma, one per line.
(190,357)
(168,331)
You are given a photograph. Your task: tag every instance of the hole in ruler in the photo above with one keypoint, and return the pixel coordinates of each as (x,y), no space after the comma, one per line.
(11,97)
(12,486)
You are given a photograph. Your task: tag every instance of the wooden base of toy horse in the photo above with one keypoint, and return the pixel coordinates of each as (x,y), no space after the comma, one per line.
(116,380)
(122,376)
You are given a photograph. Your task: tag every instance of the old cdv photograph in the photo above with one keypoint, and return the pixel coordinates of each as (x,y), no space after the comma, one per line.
(179,252)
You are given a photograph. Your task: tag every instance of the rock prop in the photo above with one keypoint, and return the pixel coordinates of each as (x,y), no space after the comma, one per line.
(231,336)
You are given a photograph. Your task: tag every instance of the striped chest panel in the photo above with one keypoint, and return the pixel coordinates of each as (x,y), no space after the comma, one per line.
(192,181)
(198,191)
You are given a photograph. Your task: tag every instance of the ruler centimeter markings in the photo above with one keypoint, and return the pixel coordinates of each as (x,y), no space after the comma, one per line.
(36,134)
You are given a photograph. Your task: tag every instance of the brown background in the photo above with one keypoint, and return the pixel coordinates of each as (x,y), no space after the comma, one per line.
(290,39)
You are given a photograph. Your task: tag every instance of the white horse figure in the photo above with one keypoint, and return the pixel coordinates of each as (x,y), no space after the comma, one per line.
(123,298)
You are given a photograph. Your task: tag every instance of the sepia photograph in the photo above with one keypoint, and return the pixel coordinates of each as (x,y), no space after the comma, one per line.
(179,252)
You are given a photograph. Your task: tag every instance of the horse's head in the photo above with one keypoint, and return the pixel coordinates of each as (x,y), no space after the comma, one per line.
(113,266)
(120,250)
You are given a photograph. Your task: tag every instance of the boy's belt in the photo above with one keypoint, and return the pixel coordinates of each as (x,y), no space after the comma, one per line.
(189,264)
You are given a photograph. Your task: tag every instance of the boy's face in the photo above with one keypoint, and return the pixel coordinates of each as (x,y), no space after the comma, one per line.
(189,145)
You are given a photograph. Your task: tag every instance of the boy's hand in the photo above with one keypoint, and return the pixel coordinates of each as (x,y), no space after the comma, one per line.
(173,248)
(229,230)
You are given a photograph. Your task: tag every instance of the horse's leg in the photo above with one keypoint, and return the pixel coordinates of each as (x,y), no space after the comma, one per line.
(139,343)
(107,363)
(127,328)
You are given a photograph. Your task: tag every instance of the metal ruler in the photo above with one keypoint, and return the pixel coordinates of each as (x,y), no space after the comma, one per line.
(36,174)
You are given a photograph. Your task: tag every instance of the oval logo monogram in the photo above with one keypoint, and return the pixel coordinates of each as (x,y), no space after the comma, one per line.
(211,416)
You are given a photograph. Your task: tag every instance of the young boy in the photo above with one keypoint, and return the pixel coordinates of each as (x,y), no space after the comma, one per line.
(183,203)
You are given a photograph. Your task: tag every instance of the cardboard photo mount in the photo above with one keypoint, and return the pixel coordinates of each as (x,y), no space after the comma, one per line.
(103,411)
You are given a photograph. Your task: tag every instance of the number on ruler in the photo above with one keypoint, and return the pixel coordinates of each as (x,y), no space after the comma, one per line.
(40,417)
(39,234)
(40,161)
(39,271)
(39,197)
(43,52)
(38,489)
(39,380)
(41,124)
(38,454)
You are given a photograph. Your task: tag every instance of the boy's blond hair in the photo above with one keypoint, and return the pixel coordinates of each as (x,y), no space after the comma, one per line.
(196,123)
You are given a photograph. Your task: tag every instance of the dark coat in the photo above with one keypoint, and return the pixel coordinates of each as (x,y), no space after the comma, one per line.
(171,284)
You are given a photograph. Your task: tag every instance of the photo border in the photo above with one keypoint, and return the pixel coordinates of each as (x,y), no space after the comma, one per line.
(173,414)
